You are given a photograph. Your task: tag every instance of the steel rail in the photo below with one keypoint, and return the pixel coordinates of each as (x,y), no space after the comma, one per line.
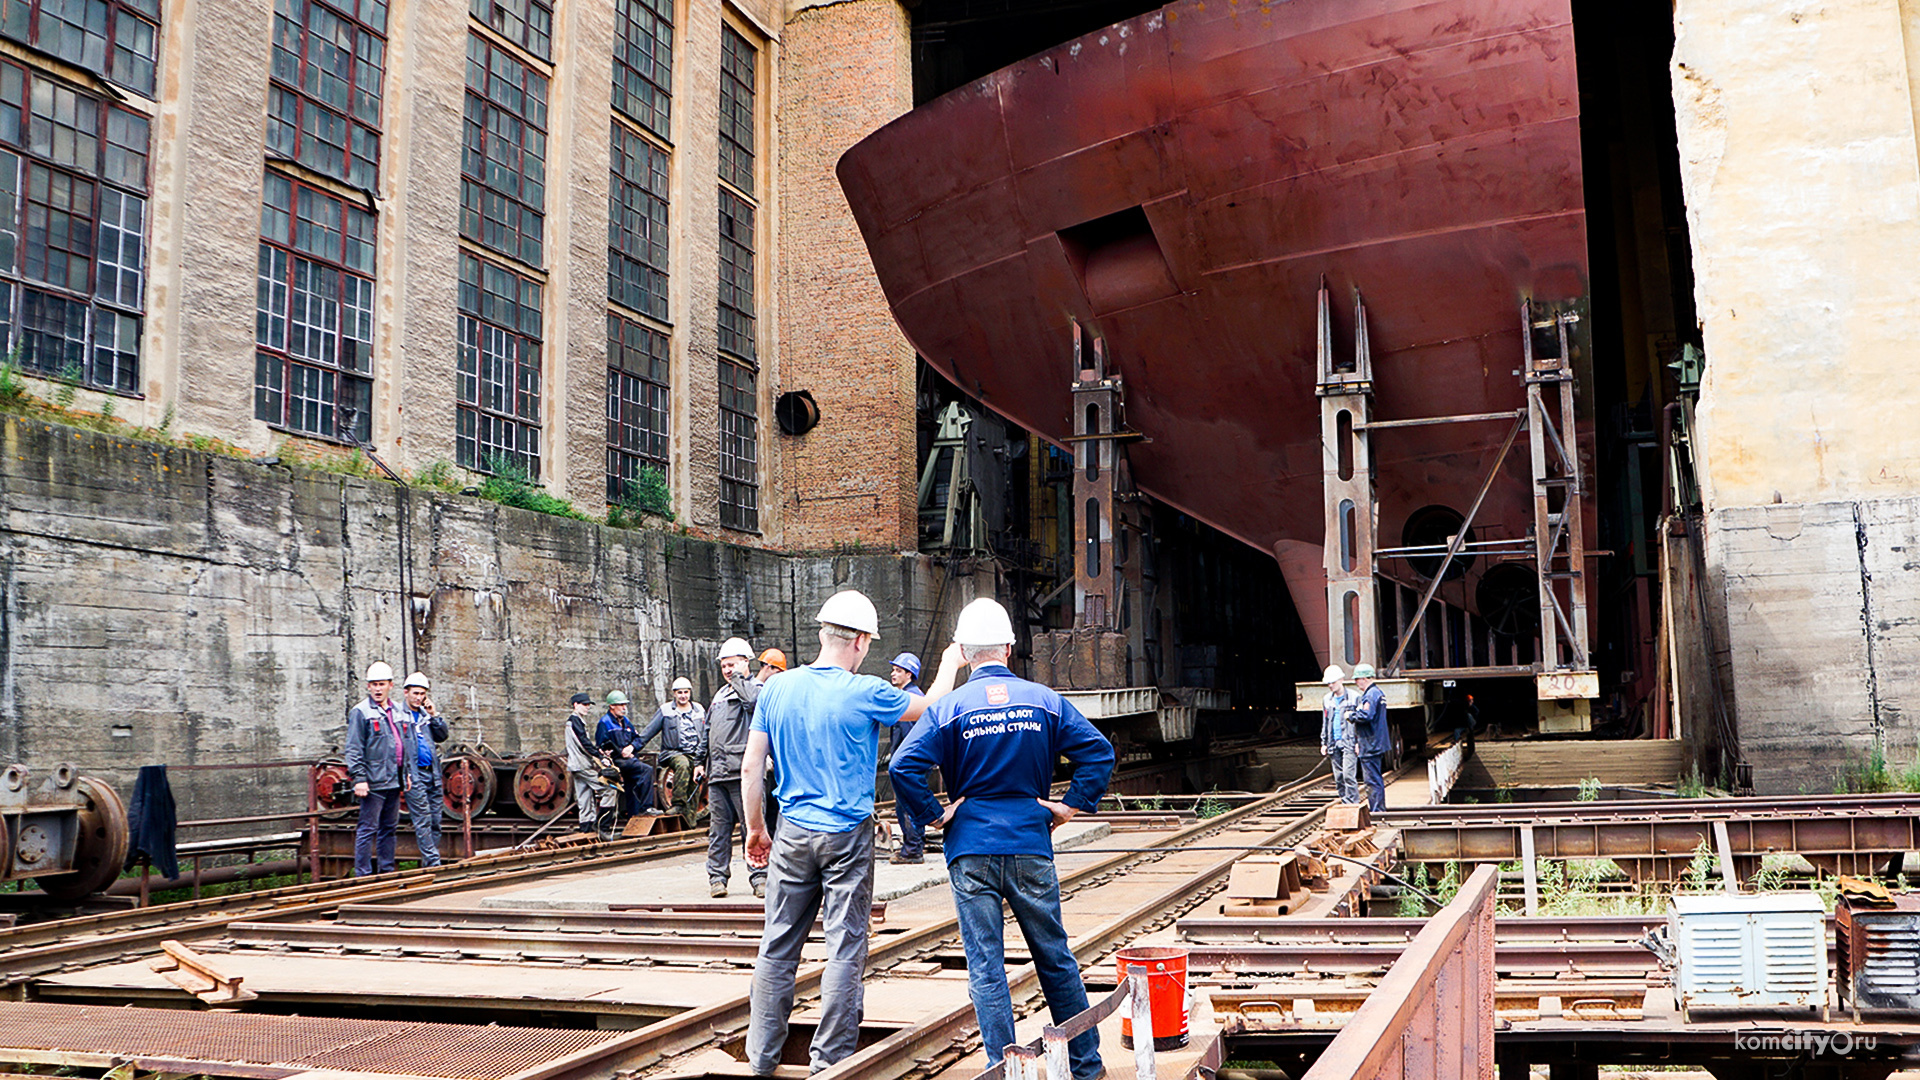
(1612,958)
(37,948)
(1381,930)
(566,922)
(499,943)
(1756,806)
(698,1027)
(898,1053)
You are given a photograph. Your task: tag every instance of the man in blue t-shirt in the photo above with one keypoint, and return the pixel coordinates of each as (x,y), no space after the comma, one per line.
(821,724)
(994,741)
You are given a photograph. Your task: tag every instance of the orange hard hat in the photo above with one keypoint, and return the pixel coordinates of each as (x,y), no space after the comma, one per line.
(775,658)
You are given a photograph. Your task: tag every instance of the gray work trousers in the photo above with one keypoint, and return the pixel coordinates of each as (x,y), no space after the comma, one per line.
(423,808)
(726,814)
(810,869)
(1346,774)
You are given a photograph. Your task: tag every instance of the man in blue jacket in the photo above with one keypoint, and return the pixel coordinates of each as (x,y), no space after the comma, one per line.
(905,675)
(994,741)
(1374,734)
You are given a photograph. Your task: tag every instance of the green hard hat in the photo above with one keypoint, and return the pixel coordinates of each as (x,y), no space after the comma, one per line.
(615,697)
(1363,671)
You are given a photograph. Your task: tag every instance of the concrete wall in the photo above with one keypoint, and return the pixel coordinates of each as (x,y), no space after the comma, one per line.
(215,610)
(1802,177)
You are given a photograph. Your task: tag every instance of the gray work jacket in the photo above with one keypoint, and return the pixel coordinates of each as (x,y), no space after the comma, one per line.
(680,732)
(729,719)
(377,743)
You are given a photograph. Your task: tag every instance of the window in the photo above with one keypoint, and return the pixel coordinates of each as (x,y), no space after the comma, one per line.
(111,38)
(323,105)
(503,185)
(737,60)
(526,23)
(313,325)
(636,403)
(73,217)
(736,275)
(637,225)
(643,63)
(739,447)
(498,421)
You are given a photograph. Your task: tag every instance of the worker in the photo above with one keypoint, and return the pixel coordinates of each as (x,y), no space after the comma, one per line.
(1336,735)
(772,662)
(616,735)
(424,790)
(821,723)
(682,728)
(596,783)
(728,719)
(378,739)
(995,740)
(904,674)
(1372,734)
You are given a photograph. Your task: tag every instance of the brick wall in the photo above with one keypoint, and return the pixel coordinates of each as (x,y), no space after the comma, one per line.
(845,71)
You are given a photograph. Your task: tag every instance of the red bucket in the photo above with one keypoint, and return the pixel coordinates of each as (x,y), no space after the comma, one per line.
(1166,971)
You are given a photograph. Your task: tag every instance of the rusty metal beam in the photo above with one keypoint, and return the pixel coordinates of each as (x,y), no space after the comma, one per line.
(1611,958)
(497,944)
(1432,1015)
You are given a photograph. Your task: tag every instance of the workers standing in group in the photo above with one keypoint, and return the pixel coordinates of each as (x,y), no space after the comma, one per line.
(728,720)
(681,725)
(821,724)
(596,788)
(424,799)
(905,675)
(379,740)
(995,740)
(1336,735)
(1373,734)
(616,735)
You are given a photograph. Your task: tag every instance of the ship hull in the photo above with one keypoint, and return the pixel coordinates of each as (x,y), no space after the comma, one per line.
(1183,182)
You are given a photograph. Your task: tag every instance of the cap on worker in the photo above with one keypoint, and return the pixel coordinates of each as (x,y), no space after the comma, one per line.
(1363,671)
(734,646)
(583,698)
(1333,675)
(908,663)
(774,659)
(416,679)
(616,697)
(983,622)
(379,672)
(851,609)
(683,683)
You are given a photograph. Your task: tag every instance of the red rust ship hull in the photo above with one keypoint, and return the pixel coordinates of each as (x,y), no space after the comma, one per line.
(1182,182)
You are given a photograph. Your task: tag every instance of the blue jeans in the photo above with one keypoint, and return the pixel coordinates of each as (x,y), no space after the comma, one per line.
(1376,783)
(424,806)
(379,828)
(810,870)
(1028,885)
(1345,763)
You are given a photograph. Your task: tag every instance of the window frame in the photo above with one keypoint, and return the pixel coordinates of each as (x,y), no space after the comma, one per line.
(639,259)
(638,24)
(359,149)
(101,156)
(482,107)
(639,402)
(282,367)
(479,319)
(121,16)
(739,446)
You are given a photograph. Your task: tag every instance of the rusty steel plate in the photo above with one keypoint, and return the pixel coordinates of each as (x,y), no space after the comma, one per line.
(456,1051)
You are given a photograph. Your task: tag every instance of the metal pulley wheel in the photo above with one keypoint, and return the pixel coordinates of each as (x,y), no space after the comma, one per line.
(540,787)
(467,785)
(100,849)
(332,785)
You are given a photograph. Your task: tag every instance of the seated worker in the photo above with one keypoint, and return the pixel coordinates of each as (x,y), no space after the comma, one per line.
(682,727)
(618,738)
(596,783)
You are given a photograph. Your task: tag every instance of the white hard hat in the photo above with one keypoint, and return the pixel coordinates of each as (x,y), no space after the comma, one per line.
(682,683)
(851,608)
(416,679)
(983,622)
(379,672)
(734,646)
(1334,674)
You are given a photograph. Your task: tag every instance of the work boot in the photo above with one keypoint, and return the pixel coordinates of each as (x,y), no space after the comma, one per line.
(760,890)
(716,888)
(904,857)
